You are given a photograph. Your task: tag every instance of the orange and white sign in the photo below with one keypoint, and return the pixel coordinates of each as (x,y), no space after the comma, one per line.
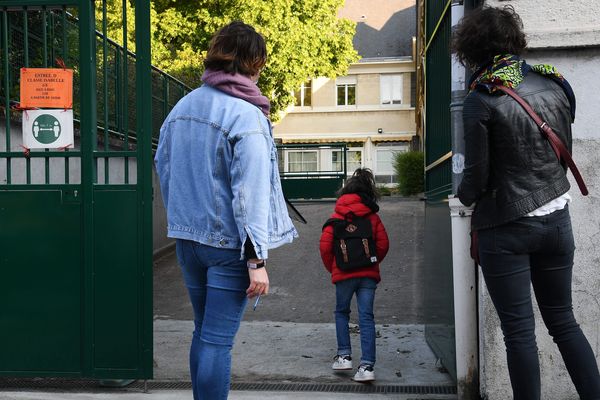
(46,88)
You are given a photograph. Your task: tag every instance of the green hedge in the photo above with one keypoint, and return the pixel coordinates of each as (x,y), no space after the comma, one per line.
(410,172)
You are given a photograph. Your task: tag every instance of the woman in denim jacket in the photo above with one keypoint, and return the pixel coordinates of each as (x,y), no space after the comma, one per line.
(218,171)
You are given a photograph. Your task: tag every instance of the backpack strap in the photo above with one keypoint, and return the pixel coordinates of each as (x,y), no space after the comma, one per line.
(331,221)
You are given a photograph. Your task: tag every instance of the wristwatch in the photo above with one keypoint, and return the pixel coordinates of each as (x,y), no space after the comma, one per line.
(255,265)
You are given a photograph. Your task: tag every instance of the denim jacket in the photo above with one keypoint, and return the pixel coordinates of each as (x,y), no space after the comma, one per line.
(219,176)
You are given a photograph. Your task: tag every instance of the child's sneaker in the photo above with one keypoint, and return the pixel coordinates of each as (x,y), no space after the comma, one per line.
(341,363)
(365,373)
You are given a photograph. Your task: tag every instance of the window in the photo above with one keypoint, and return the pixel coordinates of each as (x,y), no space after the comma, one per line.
(353,161)
(302,161)
(391,89)
(346,94)
(385,161)
(303,95)
(384,172)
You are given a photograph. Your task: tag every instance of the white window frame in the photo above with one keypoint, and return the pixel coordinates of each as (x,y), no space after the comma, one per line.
(287,160)
(387,85)
(392,149)
(345,81)
(302,91)
(350,170)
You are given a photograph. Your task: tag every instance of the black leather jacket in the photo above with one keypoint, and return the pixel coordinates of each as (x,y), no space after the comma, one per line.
(510,168)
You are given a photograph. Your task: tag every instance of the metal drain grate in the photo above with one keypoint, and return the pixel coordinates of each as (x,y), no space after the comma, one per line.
(54,384)
(344,388)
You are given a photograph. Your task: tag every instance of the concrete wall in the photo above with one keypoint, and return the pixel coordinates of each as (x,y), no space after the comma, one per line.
(57,176)
(558,23)
(580,24)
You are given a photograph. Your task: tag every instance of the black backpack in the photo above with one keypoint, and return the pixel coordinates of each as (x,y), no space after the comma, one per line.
(353,242)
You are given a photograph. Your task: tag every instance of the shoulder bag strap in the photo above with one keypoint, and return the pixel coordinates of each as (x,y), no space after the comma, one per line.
(557,145)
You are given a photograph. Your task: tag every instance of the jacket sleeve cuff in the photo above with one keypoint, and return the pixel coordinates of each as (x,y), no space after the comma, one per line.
(261,253)
(250,249)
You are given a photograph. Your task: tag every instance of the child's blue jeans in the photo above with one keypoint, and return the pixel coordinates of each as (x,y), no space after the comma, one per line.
(365,296)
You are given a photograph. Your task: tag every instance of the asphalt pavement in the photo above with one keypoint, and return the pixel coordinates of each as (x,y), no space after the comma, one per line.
(301,288)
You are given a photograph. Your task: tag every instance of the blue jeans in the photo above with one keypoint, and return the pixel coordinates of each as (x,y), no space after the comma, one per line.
(538,251)
(216,280)
(365,296)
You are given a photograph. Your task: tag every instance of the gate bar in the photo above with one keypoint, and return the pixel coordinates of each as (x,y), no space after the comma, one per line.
(6,90)
(105,86)
(65,55)
(126,91)
(26,54)
(45,65)
(143,102)
(88,125)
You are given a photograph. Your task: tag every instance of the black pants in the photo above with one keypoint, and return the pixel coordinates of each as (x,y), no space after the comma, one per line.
(536,250)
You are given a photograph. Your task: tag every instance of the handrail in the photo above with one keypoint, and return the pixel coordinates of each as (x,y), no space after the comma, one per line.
(442,17)
(438,161)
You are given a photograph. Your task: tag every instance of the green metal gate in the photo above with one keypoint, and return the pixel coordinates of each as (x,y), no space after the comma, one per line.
(76,225)
(315,178)
(439,332)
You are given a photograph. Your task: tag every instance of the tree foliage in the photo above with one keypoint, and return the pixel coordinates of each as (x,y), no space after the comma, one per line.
(305,38)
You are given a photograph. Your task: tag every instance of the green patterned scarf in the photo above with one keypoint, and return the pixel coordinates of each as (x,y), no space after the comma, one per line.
(509,70)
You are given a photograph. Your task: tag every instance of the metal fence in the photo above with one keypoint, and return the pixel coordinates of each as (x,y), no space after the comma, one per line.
(437,262)
(49,35)
(312,171)
(92,232)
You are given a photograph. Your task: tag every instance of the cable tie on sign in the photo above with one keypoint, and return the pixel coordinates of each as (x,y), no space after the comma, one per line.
(59,61)
(17,107)
(26,151)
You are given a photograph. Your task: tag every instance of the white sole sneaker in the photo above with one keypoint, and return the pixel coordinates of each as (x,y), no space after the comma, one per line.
(341,363)
(364,374)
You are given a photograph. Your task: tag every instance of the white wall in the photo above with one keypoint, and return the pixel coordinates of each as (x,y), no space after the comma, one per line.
(557,23)
(568,25)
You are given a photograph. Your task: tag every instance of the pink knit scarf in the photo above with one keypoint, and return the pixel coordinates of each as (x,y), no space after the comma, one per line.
(237,85)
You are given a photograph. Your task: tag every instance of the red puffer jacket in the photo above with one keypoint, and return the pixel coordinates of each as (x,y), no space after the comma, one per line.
(345,204)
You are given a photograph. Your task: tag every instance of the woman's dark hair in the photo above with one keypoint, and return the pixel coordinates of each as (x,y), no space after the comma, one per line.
(361,182)
(237,48)
(486,32)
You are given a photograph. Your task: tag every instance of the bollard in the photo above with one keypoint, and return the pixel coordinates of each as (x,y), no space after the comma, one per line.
(465,302)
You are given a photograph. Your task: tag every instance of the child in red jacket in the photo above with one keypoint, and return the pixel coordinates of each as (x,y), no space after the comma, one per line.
(357,198)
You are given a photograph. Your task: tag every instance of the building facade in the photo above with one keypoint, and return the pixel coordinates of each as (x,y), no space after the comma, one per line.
(371,109)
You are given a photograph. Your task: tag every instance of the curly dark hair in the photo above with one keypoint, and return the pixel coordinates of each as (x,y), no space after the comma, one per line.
(361,182)
(237,48)
(486,32)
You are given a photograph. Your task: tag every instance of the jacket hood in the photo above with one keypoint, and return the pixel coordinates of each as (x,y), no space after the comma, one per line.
(356,204)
